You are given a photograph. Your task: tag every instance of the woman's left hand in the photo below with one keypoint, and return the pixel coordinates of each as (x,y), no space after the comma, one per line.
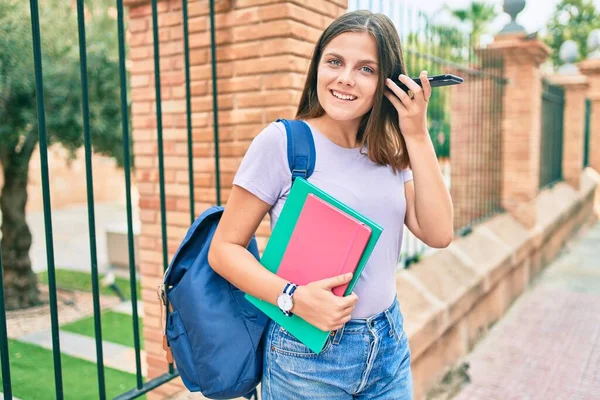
(412,112)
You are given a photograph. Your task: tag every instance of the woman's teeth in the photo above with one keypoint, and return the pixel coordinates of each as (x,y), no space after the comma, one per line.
(343,96)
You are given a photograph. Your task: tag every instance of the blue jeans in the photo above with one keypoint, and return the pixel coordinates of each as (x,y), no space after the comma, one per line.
(365,359)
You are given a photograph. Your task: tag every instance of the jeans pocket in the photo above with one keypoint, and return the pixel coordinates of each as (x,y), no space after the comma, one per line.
(397,327)
(285,343)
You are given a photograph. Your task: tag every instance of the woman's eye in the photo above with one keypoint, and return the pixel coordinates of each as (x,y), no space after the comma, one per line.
(335,62)
(368,69)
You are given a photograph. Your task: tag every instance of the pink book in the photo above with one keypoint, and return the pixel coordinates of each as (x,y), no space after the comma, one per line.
(326,242)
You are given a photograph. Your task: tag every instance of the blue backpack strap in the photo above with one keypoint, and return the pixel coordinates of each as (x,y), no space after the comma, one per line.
(300,148)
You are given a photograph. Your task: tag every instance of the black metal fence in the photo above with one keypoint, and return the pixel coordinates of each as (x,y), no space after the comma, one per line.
(141,387)
(551,152)
(587,133)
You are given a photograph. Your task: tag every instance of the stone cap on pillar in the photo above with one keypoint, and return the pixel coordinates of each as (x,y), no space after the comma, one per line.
(589,67)
(527,50)
(570,81)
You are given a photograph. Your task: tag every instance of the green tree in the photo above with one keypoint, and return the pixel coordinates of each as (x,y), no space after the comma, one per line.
(62,97)
(572,19)
(478,15)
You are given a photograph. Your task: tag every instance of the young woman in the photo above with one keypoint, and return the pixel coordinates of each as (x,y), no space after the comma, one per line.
(371,138)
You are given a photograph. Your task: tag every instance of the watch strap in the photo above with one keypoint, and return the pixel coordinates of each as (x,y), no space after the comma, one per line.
(289,289)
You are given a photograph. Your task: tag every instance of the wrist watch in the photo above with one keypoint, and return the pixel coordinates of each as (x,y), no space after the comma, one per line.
(285,300)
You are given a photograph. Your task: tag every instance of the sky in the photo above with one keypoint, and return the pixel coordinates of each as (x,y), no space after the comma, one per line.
(533,18)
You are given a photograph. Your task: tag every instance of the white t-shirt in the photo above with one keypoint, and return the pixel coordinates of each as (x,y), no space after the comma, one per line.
(349,176)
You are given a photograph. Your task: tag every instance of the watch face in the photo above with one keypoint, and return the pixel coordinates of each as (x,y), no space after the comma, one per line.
(284,301)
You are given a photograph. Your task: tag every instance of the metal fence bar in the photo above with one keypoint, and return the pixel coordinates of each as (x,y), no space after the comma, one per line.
(552,134)
(127,171)
(4,356)
(498,123)
(153,384)
(43,142)
(213,58)
(90,198)
(587,133)
(188,105)
(161,167)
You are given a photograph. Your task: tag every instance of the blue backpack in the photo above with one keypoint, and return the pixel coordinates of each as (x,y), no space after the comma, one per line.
(213,332)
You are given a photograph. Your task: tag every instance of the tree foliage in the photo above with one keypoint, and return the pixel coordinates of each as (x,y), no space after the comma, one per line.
(572,19)
(63,109)
(61,73)
(478,16)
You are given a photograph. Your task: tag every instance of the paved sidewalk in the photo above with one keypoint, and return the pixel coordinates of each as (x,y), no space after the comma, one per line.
(70,232)
(547,346)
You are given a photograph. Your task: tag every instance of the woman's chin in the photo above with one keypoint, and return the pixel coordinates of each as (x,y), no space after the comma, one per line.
(341,115)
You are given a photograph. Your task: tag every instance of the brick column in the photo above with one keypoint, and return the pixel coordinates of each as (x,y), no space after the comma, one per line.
(591,69)
(576,87)
(521,125)
(263,50)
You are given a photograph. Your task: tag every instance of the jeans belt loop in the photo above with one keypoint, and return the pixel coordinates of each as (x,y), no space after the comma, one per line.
(337,337)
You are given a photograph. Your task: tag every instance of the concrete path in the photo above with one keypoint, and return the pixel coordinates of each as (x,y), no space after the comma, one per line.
(547,346)
(115,356)
(70,232)
(125,308)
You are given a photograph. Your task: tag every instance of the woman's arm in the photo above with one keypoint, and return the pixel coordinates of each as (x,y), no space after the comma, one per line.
(229,257)
(429,211)
(228,254)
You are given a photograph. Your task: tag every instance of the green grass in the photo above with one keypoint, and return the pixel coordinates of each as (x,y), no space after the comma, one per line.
(116,328)
(32,375)
(77,280)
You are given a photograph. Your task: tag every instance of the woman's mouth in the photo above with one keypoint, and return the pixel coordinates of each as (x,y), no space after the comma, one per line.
(341,96)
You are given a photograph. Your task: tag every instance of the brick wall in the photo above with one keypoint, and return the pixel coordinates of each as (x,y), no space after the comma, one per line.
(521,124)
(264,47)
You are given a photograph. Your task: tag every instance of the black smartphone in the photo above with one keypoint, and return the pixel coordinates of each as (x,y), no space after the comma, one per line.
(434,81)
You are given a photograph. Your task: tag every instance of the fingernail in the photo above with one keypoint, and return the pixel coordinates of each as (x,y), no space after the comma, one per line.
(349,275)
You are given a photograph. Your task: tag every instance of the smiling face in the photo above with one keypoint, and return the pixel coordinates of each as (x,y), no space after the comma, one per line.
(347,76)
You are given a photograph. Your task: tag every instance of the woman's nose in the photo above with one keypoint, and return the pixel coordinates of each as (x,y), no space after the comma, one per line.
(346,77)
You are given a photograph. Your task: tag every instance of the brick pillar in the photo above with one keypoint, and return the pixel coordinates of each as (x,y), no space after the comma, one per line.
(263,50)
(591,69)
(576,87)
(521,125)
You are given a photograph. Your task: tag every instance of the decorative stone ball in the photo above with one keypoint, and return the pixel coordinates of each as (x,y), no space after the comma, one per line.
(569,51)
(593,43)
(513,7)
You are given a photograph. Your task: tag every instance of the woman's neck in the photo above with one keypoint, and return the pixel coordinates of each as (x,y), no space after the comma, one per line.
(342,133)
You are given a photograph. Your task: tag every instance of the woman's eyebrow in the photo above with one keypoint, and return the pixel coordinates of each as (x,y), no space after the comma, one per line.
(365,61)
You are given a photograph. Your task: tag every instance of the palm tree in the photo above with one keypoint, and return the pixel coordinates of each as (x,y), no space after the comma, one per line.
(479,15)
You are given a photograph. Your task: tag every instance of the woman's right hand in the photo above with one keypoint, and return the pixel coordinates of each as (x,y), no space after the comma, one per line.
(317,305)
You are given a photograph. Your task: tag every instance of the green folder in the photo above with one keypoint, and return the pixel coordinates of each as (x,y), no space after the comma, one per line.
(311,336)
